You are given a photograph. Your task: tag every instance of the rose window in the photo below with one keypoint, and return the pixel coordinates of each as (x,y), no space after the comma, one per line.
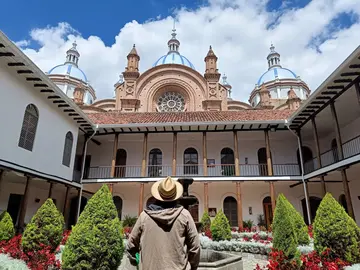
(171,102)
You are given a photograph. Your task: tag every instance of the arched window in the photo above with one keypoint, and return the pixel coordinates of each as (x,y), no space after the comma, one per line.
(262,161)
(334,149)
(307,158)
(155,162)
(314,205)
(118,204)
(67,149)
(120,164)
(267,211)
(227,162)
(342,200)
(191,161)
(230,210)
(28,129)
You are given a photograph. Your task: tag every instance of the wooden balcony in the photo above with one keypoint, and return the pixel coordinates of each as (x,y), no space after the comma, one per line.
(193,170)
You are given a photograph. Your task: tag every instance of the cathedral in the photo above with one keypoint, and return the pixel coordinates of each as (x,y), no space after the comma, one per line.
(177,120)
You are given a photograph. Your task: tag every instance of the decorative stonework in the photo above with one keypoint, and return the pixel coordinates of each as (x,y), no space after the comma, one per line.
(171,102)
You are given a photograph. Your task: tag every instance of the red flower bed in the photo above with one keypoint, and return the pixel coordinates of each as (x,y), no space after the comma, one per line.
(127,231)
(310,231)
(66,235)
(39,260)
(312,261)
(208,233)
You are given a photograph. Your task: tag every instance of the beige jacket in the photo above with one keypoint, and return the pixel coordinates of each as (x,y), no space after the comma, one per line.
(167,239)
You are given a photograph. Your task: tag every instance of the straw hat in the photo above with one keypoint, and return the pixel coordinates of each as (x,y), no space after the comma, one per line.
(167,190)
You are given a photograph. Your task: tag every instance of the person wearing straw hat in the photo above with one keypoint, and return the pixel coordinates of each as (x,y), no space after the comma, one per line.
(165,234)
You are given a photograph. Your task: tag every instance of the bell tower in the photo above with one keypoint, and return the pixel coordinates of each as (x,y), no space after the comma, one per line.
(125,92)
(215,94)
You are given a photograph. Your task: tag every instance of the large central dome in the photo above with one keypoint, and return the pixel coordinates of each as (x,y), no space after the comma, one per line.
(173,56)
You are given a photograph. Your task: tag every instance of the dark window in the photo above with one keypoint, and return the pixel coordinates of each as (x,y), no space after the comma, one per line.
(230,210)
(155,163)
(67,149)
(194,209)
(120,168)
(191,161)
(307,158)
(118,204)
(314,205)
(28,129)
(14,204)
(262,161)
(227,162)
(334,150)
(342,201)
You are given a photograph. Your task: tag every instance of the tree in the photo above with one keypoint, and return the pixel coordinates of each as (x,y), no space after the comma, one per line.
(334,229)
(46,227)
(300,227)
(96,240)
(220,227)
(7,230)
(285,238)
(205,222)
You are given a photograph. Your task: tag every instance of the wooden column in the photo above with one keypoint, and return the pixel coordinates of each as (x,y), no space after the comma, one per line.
(239,204)
(173,171)
(113,161)
(236,154)
(65,200)
(77,209)
(143,172)
(341,157)
(270,171)
(24,203)
(206,184)
(206,197)
(357,88)
(2,174)
(50,190)
(318,155)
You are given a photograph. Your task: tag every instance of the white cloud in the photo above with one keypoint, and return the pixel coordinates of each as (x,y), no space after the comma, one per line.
(240,32)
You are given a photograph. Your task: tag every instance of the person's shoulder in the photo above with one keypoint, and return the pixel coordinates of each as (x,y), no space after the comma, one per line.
(186,213)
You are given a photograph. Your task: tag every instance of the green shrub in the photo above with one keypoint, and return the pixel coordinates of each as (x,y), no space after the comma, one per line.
(301,230)
(46,227)
(248,224)
(129,221)
(205,222)
(334,229)
(220,227)
(96,240)
(7,230)
(284,236)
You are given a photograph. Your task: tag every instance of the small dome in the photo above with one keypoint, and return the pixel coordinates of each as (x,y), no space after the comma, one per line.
(276,73)
(174,58)
(68,69)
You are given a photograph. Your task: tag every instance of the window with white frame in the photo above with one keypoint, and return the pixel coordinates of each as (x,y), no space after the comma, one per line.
(28,129)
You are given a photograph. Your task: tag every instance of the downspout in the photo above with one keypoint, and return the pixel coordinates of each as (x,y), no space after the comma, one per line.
(83,169)
(287,124)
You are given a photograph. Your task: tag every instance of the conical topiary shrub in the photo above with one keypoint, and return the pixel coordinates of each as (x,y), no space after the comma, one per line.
(205,222)
(334,229)
(284,236)
(7,230)
(96,240)
(220,227)
(46,227)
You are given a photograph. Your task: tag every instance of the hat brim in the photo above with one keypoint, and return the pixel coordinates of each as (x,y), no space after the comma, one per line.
(155,192)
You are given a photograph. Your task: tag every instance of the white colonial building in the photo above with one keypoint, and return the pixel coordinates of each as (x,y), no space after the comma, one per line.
(171,120)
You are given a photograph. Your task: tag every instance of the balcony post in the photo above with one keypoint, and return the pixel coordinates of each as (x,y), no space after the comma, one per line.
(318,155)
(239,205)
(173,172)
(236,150)
(347,193)
(143,172)
(65,201)
(357,88)
(2,174)
(113,161)
(270,171)
(50,190)
(306,182)
(205,172)
(23,207)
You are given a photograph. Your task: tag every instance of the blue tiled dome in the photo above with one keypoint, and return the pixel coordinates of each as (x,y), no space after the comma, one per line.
(174,58)
(276,73)
(68,69)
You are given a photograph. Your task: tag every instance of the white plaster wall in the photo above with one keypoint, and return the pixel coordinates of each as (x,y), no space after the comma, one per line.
(53,125)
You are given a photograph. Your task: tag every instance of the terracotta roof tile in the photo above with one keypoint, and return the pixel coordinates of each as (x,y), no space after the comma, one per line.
(178,117)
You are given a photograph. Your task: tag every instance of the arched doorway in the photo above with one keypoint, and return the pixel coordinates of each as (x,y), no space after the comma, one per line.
(74,208)
(227,162)
(268,214)
(314,205)
(191,161)
(151,200)
(342,200)
(155,163)
(118,204)
(262,160)
(120,169)
(230,210)
(307,156)
(194,209)
(334,150)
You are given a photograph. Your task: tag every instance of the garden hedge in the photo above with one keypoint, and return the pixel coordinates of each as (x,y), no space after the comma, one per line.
(220,227)
(96,240)
(205,222)
(334,229)
(7,230)
(46,227)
